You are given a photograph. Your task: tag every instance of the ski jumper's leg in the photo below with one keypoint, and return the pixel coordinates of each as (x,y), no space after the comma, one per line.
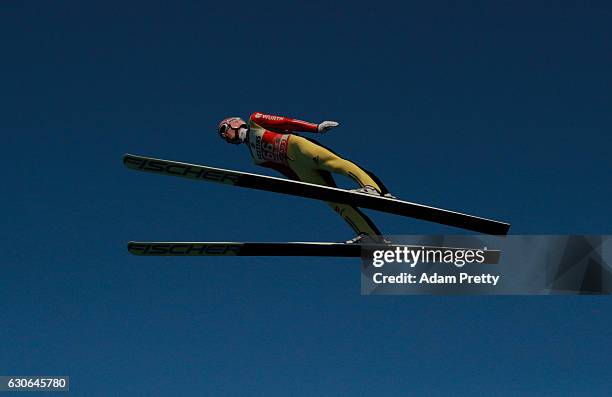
(356,219)
(307,153)
(313,164)
(310,153)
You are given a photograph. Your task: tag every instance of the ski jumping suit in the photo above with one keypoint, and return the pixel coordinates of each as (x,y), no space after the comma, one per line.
(273,145)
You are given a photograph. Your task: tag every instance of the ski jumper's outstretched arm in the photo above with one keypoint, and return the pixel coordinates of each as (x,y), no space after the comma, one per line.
(282,124)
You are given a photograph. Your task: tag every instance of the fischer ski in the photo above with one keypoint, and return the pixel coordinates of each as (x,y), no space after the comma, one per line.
(317,192)
(242,249)
(277,249)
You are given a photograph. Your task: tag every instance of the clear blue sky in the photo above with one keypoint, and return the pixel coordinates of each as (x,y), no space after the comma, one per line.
(501,109)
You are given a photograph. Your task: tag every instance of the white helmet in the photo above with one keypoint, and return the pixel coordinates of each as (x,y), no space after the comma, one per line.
(235,124)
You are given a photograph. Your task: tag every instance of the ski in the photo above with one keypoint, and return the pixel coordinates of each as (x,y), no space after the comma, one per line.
(317,192)
(277,249)
(243,249)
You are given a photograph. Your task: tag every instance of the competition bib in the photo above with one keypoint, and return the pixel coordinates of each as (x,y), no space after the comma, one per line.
(268,146)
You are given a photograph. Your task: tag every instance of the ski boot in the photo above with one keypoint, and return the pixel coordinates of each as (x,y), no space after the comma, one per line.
(363,238)
(367,189)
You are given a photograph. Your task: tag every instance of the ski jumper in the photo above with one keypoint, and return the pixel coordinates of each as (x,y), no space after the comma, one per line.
(273,145)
